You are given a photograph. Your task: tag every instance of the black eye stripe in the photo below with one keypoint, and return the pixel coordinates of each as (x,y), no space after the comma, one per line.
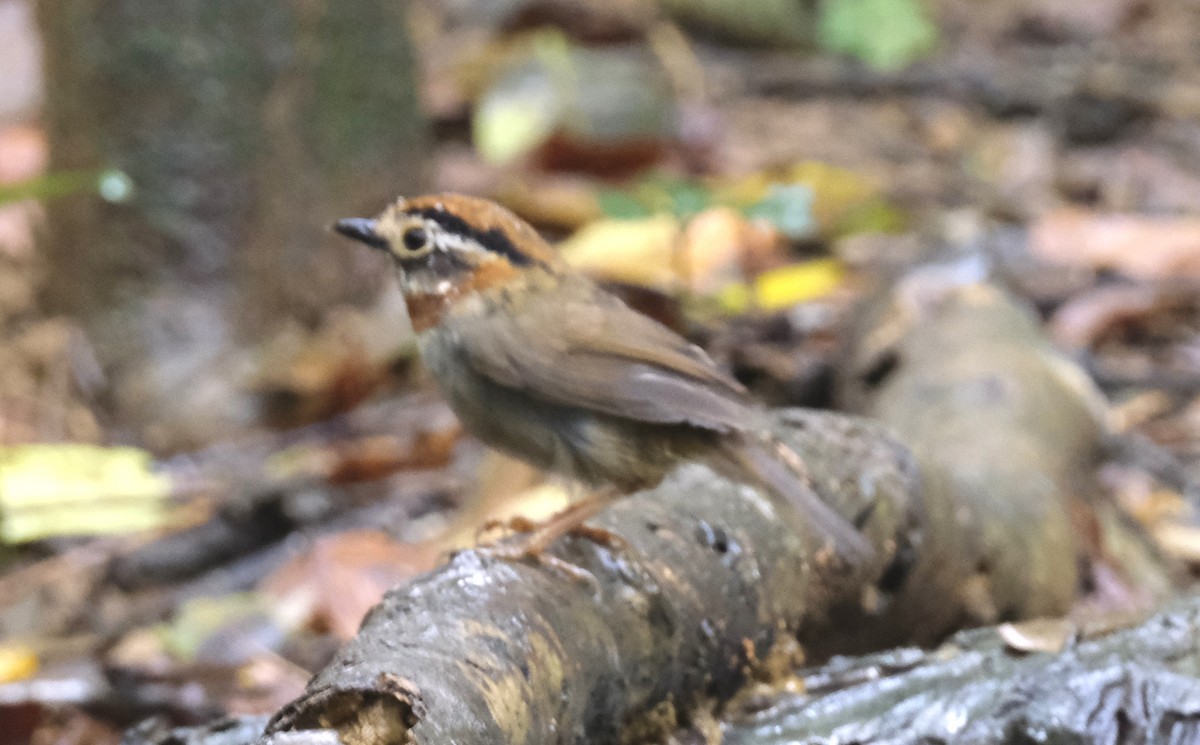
(493,240)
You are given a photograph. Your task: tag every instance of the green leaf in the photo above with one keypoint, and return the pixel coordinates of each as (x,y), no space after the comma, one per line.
(685,198)
(875,216)
(886,34)
(111,184)
(656,194)
(621,205)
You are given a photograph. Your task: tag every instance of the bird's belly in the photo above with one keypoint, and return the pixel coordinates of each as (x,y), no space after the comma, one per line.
(502,417)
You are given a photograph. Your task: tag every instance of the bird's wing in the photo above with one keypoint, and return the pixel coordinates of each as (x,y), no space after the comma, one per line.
(589,350)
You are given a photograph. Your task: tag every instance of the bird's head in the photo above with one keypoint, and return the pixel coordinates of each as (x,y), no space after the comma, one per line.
(450,246)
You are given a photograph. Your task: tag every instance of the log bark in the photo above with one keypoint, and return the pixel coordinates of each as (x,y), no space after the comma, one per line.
(227,731)
(1124,683)
(1007,432)
(701,579)
(1134,685)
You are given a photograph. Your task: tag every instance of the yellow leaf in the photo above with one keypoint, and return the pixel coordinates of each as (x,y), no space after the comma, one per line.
(17,663)
(836,191)
(49,490)
(640,252)
(525,105)
(784,287)
(743,190)
(509,125)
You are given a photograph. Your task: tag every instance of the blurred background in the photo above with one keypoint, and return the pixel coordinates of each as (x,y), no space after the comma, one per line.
(217,447)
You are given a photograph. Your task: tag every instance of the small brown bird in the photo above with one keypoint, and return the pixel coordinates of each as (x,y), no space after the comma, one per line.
(540,362)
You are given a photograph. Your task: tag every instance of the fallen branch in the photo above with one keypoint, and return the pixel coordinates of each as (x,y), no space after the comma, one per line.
(1135,685)
(703,579)
(1008,433)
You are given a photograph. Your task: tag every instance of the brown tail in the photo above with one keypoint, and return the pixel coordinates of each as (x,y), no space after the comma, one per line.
(762,465)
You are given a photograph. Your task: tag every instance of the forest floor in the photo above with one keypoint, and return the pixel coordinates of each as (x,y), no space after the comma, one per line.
(1060,141)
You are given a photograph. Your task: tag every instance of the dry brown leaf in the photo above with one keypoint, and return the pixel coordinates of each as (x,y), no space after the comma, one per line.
(563,201)
(342,576)
(1137,245)
(370,458)
(712,250)
(719,242)
(1081,321)
(639,252)
(1079,19)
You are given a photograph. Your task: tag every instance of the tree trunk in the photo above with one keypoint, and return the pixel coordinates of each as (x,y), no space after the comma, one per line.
(244,129)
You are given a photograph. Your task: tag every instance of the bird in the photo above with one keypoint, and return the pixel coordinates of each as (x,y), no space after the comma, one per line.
(539,361)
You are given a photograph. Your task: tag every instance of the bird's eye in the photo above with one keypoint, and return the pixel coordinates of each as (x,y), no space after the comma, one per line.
(415,239)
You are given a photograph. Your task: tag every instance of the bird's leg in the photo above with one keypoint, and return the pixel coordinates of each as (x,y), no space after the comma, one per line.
(569,521)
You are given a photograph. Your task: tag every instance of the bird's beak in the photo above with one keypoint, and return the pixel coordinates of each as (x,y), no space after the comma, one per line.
(361,229)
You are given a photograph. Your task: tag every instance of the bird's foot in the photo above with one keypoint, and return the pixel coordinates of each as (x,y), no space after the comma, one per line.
(518,524)
(600,536)
(538,537)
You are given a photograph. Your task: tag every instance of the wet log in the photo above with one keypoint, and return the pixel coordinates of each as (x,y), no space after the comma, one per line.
(1136,684)
(682,590)
(227,731)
